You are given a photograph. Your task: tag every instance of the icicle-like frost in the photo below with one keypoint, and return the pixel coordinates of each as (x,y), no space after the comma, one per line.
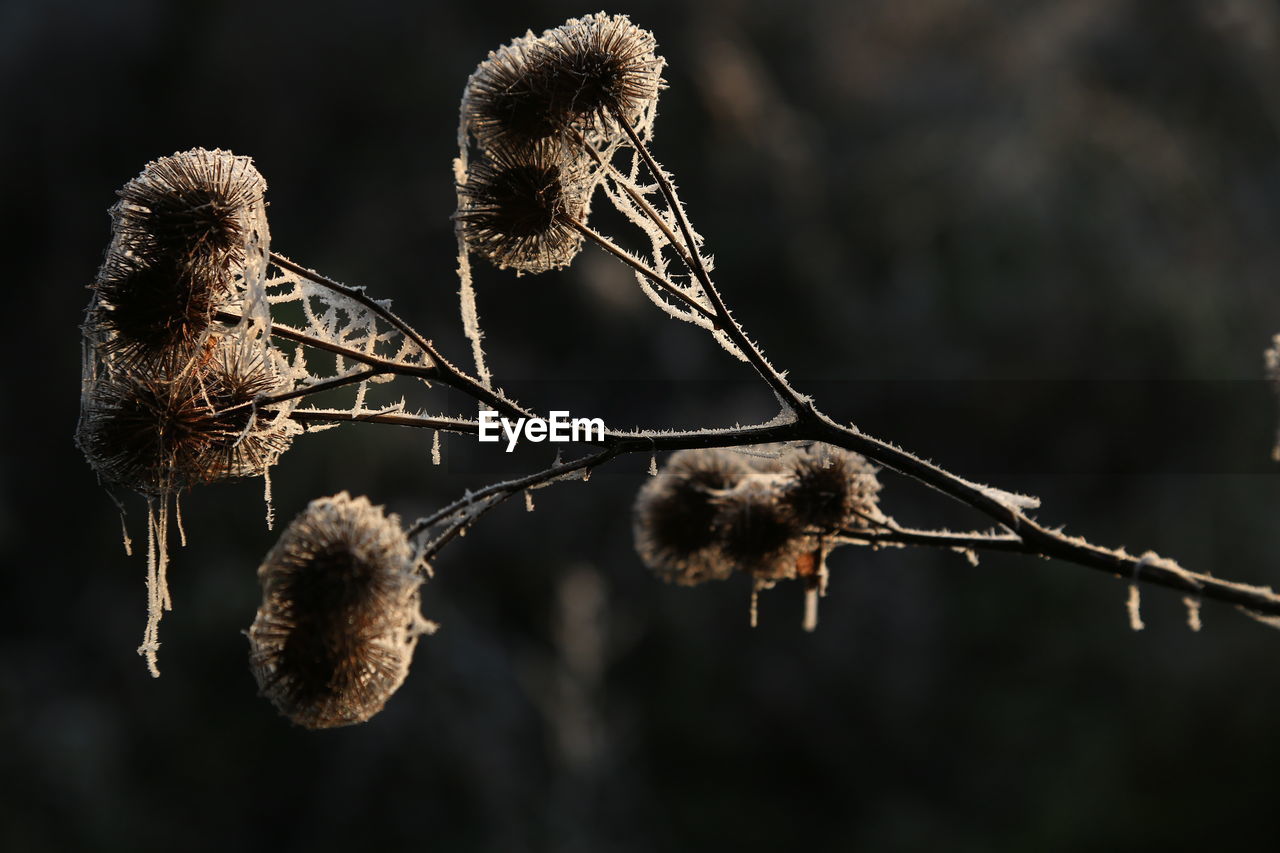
(157,580)
(266,499)
(653,465)
(1011,499)
(361,388)
(177,518)
(1151,558)
(755,604)
(528,500)
(1193,611)
(467,307)
(435,447)
(124,532)
(1134,606)
(810,623)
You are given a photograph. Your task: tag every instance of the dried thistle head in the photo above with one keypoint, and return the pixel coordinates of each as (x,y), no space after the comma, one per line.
(675,516)
(757,533)
(193,203)
(600,64)
(161,427)
(519,209)
(339,619)
(569,80)
(164,307)
(503,100)
(828,487)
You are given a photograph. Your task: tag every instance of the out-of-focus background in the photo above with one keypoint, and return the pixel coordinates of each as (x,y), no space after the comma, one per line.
(1035,241)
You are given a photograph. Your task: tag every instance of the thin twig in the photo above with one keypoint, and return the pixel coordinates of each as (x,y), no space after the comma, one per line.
(638,199)
(786,394)
(644,269)
(546,475)
(438,372)
(316,388)
(333,416)
(446,371)
(1148,568)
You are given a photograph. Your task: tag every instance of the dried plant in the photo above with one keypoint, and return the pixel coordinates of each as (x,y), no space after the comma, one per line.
(339,618)
(189,378)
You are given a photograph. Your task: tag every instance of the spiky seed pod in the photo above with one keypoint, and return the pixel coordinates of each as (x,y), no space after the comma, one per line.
(339,619)
(503,100)
(675,513)
(160,428)
(163,308)
(827,487)
(567,81)
(757,533)
(519,210)
(598,64)
(193,203)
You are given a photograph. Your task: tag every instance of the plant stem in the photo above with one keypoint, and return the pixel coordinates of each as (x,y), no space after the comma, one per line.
(1124,566)
(644,269)
(440,371)
(786,394)
(446,372)
(332,416)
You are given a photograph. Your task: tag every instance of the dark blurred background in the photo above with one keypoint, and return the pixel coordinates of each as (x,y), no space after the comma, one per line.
(1035,241)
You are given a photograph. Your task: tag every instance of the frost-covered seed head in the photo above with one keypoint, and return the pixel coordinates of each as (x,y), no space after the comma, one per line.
(193,203)
(519,210)
(162,308)
(339,619)
(756,532)
(166,426)
(503,101)
(675,516)
(827,487)
(569,79)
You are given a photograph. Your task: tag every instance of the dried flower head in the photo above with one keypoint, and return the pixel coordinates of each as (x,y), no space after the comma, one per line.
(520,210)
(829,487)
(193,203)
(163,427)
(339,619)
(161,308)
(573,78)
(675,516)
(757,533)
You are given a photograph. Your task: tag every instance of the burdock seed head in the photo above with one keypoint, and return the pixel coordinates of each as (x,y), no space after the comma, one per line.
(829,488)
(167,426)
(519,209)
(599,64)
(193,203)
(161,308)
(569,80)
(504,101)
(339,619)
(675,515)
(757,533)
